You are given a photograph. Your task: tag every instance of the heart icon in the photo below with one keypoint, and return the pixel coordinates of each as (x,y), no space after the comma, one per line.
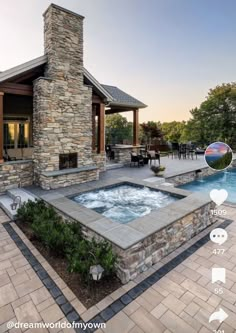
(218,196)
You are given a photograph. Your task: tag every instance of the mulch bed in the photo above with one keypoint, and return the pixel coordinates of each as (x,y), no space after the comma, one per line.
(88,294)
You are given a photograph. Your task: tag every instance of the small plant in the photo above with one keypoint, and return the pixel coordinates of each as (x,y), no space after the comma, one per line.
(49,228)
(57,236)
(65,239)
(157,169)
(29,210)
(88,253)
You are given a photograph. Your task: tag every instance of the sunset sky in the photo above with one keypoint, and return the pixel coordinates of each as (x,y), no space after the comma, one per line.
(167,53)
(217,148)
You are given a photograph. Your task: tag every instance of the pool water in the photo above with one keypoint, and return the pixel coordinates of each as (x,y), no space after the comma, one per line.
(221,180)
(124,203)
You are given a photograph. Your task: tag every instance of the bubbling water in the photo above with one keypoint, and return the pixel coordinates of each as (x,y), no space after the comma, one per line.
(124,203)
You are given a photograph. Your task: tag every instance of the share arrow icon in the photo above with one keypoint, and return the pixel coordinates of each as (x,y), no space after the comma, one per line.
(220,315)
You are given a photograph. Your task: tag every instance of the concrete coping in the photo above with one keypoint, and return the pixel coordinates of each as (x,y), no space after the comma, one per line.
(200,167)
(17,162)
(126,235)
(69,171)
(185,172)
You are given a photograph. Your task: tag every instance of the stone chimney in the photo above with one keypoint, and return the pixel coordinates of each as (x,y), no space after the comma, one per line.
(63,43)
(62,103)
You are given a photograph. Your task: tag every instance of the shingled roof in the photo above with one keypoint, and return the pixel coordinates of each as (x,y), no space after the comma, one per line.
(113,95)
(121,98)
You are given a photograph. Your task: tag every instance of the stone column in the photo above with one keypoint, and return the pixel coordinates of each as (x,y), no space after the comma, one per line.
(101,129)
(135,127)
(1,127)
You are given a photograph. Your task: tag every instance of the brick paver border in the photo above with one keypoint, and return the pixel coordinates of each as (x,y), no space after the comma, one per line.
(110,311)
(57,294)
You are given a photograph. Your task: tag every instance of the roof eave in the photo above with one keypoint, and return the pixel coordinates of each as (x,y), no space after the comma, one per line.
(27,66)
(94,82)
(132,106)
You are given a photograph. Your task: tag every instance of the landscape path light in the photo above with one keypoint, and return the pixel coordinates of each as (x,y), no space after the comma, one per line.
(96,272)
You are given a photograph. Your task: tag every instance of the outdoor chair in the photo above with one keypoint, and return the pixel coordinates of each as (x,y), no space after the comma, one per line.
(153,156)
(183,151)
(110,153)
(15,153)
(28,153)
(175,150)
(7,157)
(136,159)
(191,151)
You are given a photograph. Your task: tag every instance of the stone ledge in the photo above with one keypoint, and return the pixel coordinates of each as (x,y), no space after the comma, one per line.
(17,162)
(69,171)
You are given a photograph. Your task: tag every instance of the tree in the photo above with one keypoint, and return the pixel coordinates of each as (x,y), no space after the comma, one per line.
(118,129)
(173,130)
(215,119)
(151,130)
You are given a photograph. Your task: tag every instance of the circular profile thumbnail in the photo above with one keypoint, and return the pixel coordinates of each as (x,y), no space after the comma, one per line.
(218,155)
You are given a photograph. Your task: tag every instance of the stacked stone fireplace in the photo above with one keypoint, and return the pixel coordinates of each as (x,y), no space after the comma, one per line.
(63,105)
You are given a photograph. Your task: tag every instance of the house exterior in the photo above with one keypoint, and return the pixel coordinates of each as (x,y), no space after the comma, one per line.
(52,112)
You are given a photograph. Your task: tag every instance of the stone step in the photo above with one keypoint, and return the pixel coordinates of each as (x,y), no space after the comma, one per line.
(5,204)
(7,199)
(25,195)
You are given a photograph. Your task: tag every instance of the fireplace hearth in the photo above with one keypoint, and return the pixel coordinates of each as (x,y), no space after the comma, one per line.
(68,161)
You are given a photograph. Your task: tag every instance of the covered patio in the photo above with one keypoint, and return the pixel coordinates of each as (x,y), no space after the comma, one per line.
(109,100)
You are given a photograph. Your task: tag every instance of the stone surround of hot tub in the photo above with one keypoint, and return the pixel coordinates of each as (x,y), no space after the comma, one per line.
(141,243)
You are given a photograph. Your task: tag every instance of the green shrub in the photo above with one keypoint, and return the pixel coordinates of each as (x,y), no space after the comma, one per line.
(56,235)
(48,226)
(29,210)
(65,239)
(88,253)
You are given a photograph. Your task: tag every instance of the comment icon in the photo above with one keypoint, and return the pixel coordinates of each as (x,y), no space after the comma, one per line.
(218,236)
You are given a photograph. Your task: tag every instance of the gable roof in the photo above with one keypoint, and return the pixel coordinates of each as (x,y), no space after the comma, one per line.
(121,98)
(20,69)
(113,95)
(100,89)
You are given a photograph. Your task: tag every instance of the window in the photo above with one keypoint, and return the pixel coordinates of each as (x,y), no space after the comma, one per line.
(16,133)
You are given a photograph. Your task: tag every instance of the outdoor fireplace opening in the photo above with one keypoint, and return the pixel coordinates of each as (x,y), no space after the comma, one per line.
(68,161)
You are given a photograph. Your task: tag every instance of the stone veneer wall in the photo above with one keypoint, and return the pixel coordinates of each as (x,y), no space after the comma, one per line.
(100,161)
(141,256)
(153,248)
(122,154)
(190,176)
(15,174)
(48,183)
(62,103)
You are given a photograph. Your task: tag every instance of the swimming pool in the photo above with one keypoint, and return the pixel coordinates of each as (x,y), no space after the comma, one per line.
(221,180)
(124,203)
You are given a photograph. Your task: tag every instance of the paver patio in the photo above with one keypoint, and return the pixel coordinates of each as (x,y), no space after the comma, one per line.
(173,166)
(181,301)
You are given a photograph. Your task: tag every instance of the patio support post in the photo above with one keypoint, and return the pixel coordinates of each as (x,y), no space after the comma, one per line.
(93,127)
(135,127)
(1,127)
(101,129)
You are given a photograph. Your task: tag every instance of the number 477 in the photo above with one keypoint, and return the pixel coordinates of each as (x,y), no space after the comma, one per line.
(218,251)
